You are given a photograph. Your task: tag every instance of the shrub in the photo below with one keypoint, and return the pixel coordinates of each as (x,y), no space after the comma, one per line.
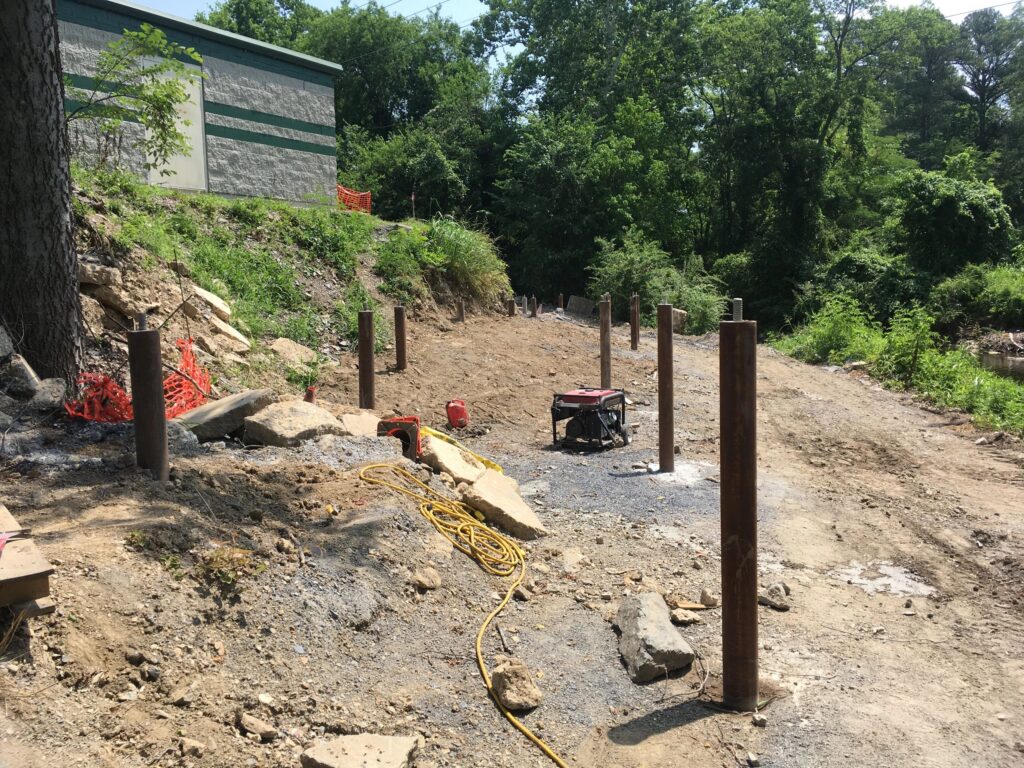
(641,267)
(836,333)
(468,261)
(979,295)
(909,339)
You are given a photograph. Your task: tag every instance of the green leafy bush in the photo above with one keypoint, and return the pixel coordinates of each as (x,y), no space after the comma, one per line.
(401,260)
(909,339)
(838,332)
(980,295)
(640,266)
(331,236)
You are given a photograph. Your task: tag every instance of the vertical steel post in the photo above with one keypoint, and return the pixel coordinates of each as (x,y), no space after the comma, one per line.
(400,351)
(460,311)
(366,363)
(148,406)
(738,410)
(511,307)
(666,387)
(606,342)
(561,301)
(737,309)
(525,309)
(634,321)
(533,306)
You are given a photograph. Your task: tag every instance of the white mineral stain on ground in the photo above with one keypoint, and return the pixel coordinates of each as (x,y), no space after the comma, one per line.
(883,577)
(686,473)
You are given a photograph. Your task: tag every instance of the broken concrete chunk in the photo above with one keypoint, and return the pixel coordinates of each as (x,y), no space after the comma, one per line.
(95,274)
(227,415)
(426,578)
(514,686)
(286,424)
(292,352)
(255,726)
(684,618)
(774,597)
(649,644)
(495,496)
(213,301)
(18,378)
(360,751)
(50,395)
(236,340)
(362,424)
(445,457)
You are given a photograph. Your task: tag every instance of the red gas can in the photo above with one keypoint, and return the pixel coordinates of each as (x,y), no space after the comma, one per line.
(458,416)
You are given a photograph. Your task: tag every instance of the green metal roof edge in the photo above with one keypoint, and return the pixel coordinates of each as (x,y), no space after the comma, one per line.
(229,38)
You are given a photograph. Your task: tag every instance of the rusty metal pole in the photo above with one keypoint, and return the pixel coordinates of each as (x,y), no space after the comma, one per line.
(738,413)
(666,399)
(606,343)
(148,406)
(460,311)
(634,321)
(561,301)
(366,363)
(400,351)
(533,306)
(511,307)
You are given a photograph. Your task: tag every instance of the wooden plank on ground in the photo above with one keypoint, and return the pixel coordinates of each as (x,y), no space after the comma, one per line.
(24,573)
(8,524)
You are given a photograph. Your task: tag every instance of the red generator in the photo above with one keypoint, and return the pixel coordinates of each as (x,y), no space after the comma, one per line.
(596,418)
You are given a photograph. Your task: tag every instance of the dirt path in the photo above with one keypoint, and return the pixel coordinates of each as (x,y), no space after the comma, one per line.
(853,480)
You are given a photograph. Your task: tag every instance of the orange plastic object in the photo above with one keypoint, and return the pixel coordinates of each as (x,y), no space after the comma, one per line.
(355,201)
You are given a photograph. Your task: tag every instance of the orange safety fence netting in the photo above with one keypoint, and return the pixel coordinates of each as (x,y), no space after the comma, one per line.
(103,399)
(355,201)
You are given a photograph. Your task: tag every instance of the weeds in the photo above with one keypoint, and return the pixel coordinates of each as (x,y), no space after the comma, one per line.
(227,566)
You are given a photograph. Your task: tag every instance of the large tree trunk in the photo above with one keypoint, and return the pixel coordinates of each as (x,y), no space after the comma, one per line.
(39,301)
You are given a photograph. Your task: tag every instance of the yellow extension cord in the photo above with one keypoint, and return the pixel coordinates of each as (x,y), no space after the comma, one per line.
(495,553)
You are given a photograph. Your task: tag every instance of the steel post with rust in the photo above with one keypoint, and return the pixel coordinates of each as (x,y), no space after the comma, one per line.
(400,359)
(460,311)
(634,321)
(561,301)
(666,387)
(738,416)
(366,362)
(146,372)
(533,306)
(511,307)
(606,342)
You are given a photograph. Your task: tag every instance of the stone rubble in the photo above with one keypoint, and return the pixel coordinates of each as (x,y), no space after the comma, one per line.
(497,498)
(287,423)
(361,751)
(649,644)
(514,685)
(226,416)
(445,457)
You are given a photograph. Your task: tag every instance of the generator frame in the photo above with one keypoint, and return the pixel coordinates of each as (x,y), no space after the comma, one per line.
(588,402)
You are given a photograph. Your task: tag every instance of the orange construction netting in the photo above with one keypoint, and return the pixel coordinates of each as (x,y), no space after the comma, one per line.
(354,201)
(103,399)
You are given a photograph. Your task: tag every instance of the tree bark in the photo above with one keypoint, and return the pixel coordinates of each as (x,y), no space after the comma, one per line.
(39,301)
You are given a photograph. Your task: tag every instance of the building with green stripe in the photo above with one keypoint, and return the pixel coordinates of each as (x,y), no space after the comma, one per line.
(261,119)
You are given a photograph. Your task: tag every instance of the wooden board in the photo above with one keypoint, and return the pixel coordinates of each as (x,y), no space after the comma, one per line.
(7,522)
(33,608)
(24,573)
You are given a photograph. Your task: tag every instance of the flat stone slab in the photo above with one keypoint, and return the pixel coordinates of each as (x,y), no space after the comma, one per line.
(580,306)
(497,498)
(96,274)
(362,424)
(292,352)
(222,417)
(445,457)
(649,644)
(236,339)
(220,307)
(366,750)
(286,424)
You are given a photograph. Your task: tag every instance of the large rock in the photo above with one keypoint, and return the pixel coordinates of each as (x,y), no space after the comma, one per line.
(678,321)
(213,301)
(18,378)
(227,415)
(290,422)
(292,352)
(445,457)
(514,685)
(50,395)
(95,274)
(649,644)
(364,750)
(6,344)
(496,497)
(236,340)
(120,302)
(362,424)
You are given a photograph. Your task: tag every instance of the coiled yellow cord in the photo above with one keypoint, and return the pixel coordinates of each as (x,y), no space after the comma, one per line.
(495,553)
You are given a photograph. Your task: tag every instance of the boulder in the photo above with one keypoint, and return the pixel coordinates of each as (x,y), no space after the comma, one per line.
(236,340)
(514,686)
(649,644)
(678,321)
(213,301)
(6,344)
(50,395)
(445,457)
(227,415)
(117,300)
(96,274)
(362,424)
(290,422)
(361,751)
(292,352)
(497,498)
(18,379)
(92,312)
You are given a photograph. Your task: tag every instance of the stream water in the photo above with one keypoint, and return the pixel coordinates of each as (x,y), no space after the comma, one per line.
(1004,364)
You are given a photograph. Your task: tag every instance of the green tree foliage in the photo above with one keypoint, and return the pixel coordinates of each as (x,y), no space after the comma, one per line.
(279,22)
(140,77)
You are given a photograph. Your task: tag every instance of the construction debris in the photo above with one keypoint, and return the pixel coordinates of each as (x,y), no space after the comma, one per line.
(289,422)
(497,498)
(226,416)
(514,685)
(649,644)
(361,751)
(445,457)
